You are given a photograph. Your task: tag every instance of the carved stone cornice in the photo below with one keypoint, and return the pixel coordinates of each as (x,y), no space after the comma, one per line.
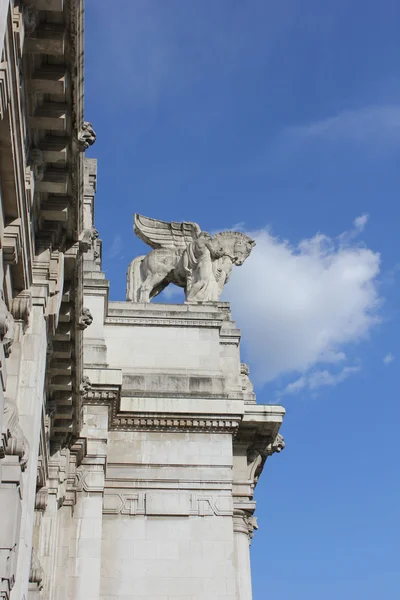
(184,423)
(139,421)
(171,322)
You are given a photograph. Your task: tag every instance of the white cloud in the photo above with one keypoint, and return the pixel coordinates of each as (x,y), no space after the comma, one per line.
(372,127)
(388,358)
(360,222)
(301,306)
(317,379)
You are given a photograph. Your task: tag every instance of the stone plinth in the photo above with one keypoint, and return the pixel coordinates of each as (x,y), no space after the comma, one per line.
(185,445)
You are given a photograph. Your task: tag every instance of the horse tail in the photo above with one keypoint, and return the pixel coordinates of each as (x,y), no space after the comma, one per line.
(133,279)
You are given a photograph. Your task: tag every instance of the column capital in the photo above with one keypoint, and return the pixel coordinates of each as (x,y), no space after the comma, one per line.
(244,522)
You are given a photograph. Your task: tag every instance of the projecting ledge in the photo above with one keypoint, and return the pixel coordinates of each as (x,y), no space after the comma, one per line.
(260,413)
(261,421)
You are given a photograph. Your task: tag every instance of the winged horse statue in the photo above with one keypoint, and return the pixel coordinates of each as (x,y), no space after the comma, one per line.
(186,256)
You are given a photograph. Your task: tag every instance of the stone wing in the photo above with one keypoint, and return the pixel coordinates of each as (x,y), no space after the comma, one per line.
(161,234)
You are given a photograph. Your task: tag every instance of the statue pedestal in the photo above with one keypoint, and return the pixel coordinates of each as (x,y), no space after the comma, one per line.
(185,444)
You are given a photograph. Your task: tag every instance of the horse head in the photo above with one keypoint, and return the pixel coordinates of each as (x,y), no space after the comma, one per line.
(234,244)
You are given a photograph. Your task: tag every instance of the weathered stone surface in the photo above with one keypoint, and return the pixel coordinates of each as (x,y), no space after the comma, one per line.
(178,490)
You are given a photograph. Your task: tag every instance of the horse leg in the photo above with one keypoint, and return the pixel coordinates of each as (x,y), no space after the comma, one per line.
(146,288)
(159,288)
(151,286)
(154,272)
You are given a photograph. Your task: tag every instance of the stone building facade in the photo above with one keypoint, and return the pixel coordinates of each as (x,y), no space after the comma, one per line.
(43,136)
(131,440)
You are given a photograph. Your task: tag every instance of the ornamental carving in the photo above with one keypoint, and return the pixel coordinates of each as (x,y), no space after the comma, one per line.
(7,327)
(56,284)
(30,16)
(184,255)
(167,504)
(16,442)
(41,499)
(87,239)
(85,386)
(38,164)
(277,445)
(258,453)
(247,386)
(244,522)
(86,136)
(21,307)
(160,423)
(85,319)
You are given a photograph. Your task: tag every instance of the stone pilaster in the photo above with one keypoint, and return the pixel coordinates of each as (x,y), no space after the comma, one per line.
(243,526)
(86,523)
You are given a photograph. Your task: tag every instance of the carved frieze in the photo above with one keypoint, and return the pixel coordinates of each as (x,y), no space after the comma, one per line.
(168,423)
(144,321)
(167,504)
(159,421)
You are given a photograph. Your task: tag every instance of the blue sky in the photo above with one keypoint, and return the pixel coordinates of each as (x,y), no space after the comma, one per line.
(281,119)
